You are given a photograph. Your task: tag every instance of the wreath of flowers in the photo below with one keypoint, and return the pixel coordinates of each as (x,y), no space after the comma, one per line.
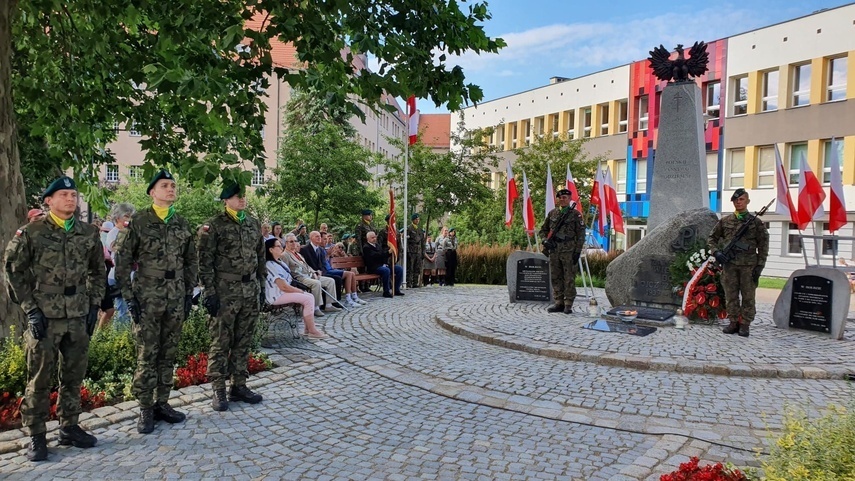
(705,302)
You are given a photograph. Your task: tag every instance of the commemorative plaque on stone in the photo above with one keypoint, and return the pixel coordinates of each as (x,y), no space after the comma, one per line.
(652,283)
(810,304)
(814,299)
(528,277)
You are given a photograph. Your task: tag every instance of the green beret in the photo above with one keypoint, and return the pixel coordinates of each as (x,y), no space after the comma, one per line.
(367,212)
(61,183)
(161,174)
(345,237)
(737,194)
(230,190)
(452,229)
(414,216)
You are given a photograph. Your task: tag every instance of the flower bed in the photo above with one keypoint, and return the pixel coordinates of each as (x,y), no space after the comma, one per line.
(691,471)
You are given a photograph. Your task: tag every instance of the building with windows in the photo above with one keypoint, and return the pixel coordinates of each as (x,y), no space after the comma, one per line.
(788,85)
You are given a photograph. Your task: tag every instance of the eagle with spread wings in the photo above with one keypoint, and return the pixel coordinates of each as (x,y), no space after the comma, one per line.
(681,68)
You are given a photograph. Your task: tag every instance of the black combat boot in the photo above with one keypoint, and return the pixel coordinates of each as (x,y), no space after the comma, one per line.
(74,436)
(731,328)
(243,393)
(555,308)
(568,308)
(38,448)
(165,412)
(145,424)
(219,401)
(743,329)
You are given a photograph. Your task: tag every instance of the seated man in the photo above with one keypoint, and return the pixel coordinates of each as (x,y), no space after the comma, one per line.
(315,256)
(376,258)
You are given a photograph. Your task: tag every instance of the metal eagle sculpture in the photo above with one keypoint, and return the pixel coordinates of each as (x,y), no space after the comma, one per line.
(681,68)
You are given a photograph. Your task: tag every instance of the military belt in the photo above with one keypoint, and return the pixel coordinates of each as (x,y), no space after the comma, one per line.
(149,272)
(49,289)
(235,277)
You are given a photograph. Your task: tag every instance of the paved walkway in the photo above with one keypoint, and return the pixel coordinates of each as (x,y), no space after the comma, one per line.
(458,384)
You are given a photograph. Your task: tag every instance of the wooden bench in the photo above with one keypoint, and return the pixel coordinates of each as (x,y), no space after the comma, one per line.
(347,263)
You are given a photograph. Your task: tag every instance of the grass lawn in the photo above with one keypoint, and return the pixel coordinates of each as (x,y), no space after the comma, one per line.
(772,282)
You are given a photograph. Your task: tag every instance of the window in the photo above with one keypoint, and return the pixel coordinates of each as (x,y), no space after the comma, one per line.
(642,112)
(623,116)
(766,166)
(836,79)
(586,119)
(116,127)
(712,99)
(571,124)
(500,137)
(262,131)
(827,145)
(797,151)
(829,246)
(712,170)
(620,177)
(112,173)
(604,119)
(801,85)
(527,124)
(132,130)
(794,240)
(257,176)
(641,176)
(736,169)
(539,126)
(554,128)
(740,95)
(770,91)
(135,172)
(514,127)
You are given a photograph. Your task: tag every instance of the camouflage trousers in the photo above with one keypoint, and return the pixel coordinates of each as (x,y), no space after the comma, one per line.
(231,340)
(562,273)
(737,280)
(157,335)
(414,267)
(68,338)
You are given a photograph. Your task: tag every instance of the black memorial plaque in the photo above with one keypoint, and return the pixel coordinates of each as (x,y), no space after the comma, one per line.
(632,329)
(652,313)
(533,280)
(653,282)
(810,305)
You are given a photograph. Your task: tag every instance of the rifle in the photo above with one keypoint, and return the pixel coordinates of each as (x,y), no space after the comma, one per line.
(735,246)
(549,244)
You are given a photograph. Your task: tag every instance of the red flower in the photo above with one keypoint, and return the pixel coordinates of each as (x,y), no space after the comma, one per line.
(700,299)
(722,314)
(715,301)
(702,313)
(711,288)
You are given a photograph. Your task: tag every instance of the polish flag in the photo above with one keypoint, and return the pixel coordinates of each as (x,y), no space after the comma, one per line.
(598,199)
(837,213)
(811,195)
(612,203)
(550,192)
(414,119)
(511,196)
(528,208)
(784,204)
(574,193)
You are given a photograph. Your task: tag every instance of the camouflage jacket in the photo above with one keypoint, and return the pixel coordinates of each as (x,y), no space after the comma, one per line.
(231,254)
(755,242)
(162,255)
(353,249)
(570,236)
(360,231)
(62,273)
(415,239)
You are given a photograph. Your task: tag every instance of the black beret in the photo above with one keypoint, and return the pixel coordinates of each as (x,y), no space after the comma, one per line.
(230,190)
(161,174)
(414,216)
(367,212)
(563,192)
(61,183)
(737,194)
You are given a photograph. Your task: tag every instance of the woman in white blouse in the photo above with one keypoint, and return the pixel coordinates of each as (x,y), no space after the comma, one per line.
(279,290)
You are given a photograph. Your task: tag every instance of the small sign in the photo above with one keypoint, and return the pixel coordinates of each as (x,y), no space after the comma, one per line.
(810,305)
(532,280)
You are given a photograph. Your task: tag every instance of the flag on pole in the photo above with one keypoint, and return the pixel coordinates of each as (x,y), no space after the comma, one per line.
(511,195)
(784,205)
(413,119)
(811,195)
(612,203)
(574,193)
(837,211)
(550,192)
(391,230)
(528,208)
(598,199)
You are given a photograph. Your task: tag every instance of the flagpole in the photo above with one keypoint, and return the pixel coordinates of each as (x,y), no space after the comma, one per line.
(406,180)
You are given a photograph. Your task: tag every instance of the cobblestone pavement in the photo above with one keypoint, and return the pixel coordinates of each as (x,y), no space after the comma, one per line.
(396,394)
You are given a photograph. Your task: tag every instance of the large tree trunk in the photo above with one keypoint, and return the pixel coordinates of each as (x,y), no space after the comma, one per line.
(12,200)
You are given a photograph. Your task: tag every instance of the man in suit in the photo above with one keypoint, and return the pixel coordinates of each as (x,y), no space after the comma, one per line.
(315,255)
(376,258)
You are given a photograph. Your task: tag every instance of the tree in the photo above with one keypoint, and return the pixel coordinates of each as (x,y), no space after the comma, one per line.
(194,204)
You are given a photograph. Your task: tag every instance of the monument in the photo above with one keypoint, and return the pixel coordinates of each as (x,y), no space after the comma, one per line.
(528,277)
(814,299)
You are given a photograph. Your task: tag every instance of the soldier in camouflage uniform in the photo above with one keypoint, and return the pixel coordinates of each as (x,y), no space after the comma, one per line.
(569,237)
(159,243)
(741,274)
(232,270)
(363,228)
(55,271)
(415,244)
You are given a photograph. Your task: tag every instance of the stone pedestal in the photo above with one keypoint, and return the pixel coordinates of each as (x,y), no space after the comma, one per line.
(836,310)
(679,180)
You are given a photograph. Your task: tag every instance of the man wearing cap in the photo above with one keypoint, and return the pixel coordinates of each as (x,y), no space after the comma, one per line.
(232,271)
(565,228)
(741,274)
(55,272)
(363,228)
(158,243)
(351,244)
(415,244)
(302,236)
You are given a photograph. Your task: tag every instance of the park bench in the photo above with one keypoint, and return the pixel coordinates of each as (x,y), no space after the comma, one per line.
(349,262)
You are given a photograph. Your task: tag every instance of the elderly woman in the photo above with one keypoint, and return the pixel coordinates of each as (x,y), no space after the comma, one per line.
(279,290)
(121,214)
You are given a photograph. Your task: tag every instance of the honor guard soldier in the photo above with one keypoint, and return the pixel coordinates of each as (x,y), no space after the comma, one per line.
(232,270)
(55,271)
(415,244)
(158,243)
(363,228)
(564,234)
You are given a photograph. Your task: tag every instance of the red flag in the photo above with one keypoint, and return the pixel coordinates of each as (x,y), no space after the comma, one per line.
(391,230)
(612,203)
(811,195)
(837,212)
(528,207)
(511,196)
(784,204)
(413,119)
(550,191)
(574,193)
(598,199)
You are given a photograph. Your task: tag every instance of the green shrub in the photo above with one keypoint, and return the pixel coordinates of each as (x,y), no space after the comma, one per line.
(13,365)
(195,336)
(598,262)
(111,350)
(483,263)
(595,281)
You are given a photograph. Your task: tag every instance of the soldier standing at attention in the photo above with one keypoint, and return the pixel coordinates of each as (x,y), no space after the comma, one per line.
(363,228)
(415,244)
(160,243)
(231,269)
(55,271)
(565,228)
(740,274)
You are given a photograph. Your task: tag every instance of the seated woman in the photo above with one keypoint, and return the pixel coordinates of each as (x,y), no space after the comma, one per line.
(351,299)
(279,290)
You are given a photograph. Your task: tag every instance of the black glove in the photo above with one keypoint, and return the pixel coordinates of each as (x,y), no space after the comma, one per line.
(755,274)
(188,304)
(91,320)
(262,299)
(134,309)
(212,304)
(576,258)
(720,258)
(38,323)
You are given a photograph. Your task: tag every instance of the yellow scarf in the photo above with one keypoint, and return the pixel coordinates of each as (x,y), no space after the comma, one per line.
(65,224)
(165,213)
(237,216)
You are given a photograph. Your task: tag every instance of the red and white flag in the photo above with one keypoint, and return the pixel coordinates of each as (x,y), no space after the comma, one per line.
(598,198)
(414,119)
(784,205)
(574,193)
(811,195)
(612,203)
(391,230)
(511,195)
(837,210)
(528,208)
(550,191)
